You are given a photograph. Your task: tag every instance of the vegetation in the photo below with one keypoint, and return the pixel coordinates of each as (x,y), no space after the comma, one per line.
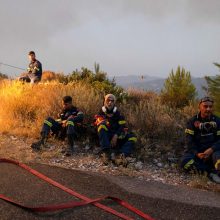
(214,89)
(178,89)
(3,76)
(158,119)
(98,80)
(26,106)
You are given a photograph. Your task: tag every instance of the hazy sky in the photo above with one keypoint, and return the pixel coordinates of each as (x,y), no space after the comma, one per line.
(124,36)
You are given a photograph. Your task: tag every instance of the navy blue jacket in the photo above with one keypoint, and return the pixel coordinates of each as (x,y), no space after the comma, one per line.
(77,115)
(202,134)
(35,68)
(115,121)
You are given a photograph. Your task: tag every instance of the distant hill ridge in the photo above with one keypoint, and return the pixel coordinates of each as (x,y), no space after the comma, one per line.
(154,83)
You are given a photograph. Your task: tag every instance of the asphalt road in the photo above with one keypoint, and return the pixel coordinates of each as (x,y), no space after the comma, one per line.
(152,198)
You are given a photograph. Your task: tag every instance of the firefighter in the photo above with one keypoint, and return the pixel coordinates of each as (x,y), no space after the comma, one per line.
(114,137)
(34,70)
(203,141)
(67,124)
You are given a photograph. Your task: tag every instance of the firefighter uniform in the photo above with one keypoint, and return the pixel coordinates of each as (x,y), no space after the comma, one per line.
(34,72)
(35,69)
(110,123)
(72,118)
(202,134)
(67,124)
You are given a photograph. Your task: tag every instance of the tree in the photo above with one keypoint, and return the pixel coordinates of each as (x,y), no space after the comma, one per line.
(97,68)
(178,89)
(213,89)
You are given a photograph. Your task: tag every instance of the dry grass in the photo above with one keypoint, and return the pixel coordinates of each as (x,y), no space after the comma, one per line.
(200,181)
(159,128)
(155,121)
(24,107)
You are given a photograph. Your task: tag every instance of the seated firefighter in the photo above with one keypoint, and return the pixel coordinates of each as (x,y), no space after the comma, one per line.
(34,70)
(67,124)
(203,142)
(114,137)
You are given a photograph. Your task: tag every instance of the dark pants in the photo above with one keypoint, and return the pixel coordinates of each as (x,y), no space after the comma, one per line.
(30,78)
(190,161)
(51,125)
(125,142)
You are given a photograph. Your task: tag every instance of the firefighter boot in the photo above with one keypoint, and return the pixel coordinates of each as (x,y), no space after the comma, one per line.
(121,160)
(39,144)
(70,146)
(106,156)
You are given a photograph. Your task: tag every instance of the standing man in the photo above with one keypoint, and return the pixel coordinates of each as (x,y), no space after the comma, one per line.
(203,141)
(113,135)
(34,70)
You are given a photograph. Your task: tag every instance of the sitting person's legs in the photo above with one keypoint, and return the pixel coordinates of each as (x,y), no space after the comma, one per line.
(128,143)
(216,161)
(71,132)
(24,78)
(190,161)
(49,125)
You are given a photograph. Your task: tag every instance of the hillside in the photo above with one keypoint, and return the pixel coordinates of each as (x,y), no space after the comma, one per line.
(147,82)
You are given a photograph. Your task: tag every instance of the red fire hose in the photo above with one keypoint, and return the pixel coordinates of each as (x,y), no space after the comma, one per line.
(68,205)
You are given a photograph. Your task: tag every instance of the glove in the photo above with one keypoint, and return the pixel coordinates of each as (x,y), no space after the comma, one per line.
(29,70)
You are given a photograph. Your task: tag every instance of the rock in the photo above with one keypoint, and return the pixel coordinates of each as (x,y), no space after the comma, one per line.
(138,165)
(160,165)
(172,159)
(166,166)
(131,165)
(173,165)
(140,177)
(96,150)
(155,161)
(131,159)
(87,147)
(57,160)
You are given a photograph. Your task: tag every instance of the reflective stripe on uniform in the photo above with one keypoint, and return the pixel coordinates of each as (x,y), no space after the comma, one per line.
(98,121)
(189,131)
(48,123)
(217,165)
(122,136)
(102,127)
(132,139)
(188,164)
(122,122)
(218,132)
(70,123)
(35,68)
(80,113)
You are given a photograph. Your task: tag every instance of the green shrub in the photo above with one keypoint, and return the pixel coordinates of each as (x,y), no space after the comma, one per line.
(178,89)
